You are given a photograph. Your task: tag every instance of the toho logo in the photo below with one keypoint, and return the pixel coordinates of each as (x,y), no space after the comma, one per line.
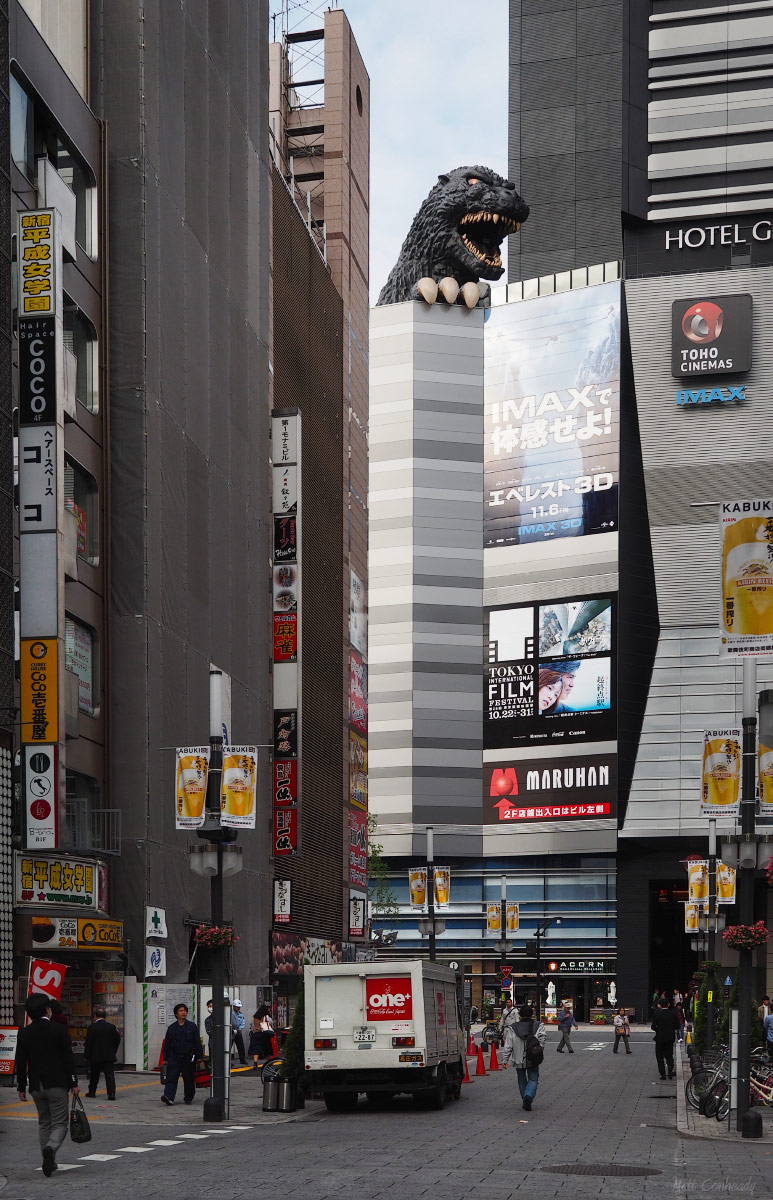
(702,322)
(388,998)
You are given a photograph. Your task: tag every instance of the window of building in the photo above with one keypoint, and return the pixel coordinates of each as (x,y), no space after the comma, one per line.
(80,657)
(22,130)
(82,802)
(34,135)
(81,498)
(80,338)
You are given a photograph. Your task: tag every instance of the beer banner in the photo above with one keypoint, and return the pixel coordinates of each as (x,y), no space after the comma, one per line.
(512,919)
(237,789)
(417,885)
(721,777)
(725,883)
(698,881)
(494,917)
(765,763)
(691,912)
(746,620)
(442,886)
(190,786)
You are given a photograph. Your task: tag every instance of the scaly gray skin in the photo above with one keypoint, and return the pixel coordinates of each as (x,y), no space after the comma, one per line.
(457,233)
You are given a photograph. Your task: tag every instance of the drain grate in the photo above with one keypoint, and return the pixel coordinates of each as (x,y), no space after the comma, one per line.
(599,1169)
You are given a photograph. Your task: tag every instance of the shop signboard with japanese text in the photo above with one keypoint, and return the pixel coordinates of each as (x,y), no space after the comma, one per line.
(282,901)
(285,831)
(8,1036)
(285,781)
(358,770)
(286,637)
(582,787)
(358,848)
(746,619)
(54,880)
(552,425)
(550,673)
(39,258)
(41,795)
(357,910)
(39,674)
(358,692)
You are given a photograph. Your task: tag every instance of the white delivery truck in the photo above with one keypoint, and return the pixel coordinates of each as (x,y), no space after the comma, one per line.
(383,1028)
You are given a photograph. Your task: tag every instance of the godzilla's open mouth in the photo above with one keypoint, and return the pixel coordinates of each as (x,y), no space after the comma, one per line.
(482,234)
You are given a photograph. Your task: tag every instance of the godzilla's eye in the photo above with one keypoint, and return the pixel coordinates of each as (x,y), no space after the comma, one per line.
(472,180)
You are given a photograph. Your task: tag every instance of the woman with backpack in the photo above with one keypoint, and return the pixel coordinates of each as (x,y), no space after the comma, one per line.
(524,1044)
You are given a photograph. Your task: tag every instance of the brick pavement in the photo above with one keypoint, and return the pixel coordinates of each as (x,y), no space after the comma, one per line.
(591,1108)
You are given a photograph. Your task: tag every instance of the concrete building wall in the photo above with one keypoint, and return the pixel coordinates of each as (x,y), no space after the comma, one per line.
(426,573)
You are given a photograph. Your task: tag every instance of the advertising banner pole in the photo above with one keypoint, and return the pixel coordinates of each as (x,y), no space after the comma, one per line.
(431,891)
(746,883)
(712,925)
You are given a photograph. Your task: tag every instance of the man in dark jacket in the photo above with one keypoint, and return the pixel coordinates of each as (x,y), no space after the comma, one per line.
(102,1041)
(182,1046)
(44,1057)
(566,1023)
(665,1024)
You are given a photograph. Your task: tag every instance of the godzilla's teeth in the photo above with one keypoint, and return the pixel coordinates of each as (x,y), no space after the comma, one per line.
(495,218)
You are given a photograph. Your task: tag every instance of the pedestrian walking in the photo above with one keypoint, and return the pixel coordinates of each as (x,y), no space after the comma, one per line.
(509,1017)
(102,1041)
(764,1008)
(566,1023)
(676,998)
(524,1045)
(767,1033)
(182,1046)
(261,1035)
(622,1030)
(665,1023)
(44,1059)
(679,1010)
(237,1025)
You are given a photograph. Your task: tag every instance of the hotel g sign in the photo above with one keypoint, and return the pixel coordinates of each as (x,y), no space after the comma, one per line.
(711,335)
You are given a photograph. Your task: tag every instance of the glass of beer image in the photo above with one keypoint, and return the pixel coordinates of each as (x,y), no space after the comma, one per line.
(766,778)
(748,578)
(417,883)
(191,785)
(721,768)
(494,918)
(512,918)
(725,882)
(690,918)
(442,885)
(699,881)
(238,787)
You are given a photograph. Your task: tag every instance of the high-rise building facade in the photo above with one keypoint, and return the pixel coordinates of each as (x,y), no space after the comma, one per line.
(611,432)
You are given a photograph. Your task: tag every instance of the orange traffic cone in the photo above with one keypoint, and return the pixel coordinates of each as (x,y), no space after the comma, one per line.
(466,1073)
(493,1061)
(481,1067)
(471,1045)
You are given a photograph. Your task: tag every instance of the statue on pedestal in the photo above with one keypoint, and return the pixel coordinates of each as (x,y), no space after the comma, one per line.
(612,995)
(551,994)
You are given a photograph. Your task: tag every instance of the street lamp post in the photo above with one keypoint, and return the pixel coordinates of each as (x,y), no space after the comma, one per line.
(542,929)
(431,890)
(503,920)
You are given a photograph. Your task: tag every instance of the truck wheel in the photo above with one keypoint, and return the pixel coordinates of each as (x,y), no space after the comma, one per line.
(340,1101)
(435,1098)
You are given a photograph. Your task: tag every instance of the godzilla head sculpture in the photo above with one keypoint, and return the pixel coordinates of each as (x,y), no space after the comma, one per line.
(455,239)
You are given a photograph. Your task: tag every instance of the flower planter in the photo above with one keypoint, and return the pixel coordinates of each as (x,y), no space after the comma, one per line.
(212,937)
(746,937)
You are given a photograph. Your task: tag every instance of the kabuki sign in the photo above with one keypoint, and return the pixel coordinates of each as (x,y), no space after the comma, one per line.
(552,398)
(746,534)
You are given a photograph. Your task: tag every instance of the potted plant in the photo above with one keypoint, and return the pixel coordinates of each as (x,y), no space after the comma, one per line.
(746,937)
(211,937)
(599,1019)
(769,872)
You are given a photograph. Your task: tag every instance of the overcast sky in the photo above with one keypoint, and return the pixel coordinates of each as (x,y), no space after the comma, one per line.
(438,100)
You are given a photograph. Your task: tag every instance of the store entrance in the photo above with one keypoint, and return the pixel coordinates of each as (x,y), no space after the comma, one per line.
(672,961)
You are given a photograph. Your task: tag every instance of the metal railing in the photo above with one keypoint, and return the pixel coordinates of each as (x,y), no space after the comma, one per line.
(93,830)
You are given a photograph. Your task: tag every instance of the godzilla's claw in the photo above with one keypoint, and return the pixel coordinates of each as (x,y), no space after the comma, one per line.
(470,294)
(449,289)
(427,289)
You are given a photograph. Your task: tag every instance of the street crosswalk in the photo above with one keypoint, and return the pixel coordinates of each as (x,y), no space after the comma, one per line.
(155,1144)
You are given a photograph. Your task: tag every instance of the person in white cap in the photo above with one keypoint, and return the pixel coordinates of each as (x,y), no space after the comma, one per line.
(237,1025)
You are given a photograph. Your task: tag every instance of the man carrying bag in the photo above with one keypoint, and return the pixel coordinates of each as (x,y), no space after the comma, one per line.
(44,1057)
(524,1044)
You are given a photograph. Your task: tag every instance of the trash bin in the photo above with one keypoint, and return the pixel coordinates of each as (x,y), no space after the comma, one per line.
(285,1095)
(270,1095)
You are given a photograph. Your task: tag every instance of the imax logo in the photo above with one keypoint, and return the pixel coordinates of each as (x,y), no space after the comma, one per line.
(709,395)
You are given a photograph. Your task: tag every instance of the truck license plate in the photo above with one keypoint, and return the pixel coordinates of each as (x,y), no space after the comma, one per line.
(364,1035)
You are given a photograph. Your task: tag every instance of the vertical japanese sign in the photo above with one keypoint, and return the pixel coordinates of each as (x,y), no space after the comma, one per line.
(358,848)
(746,535)
(282,901)
(40,462)
(286,592)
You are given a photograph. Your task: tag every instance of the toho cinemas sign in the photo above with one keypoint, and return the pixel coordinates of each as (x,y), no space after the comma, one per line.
(579,787)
